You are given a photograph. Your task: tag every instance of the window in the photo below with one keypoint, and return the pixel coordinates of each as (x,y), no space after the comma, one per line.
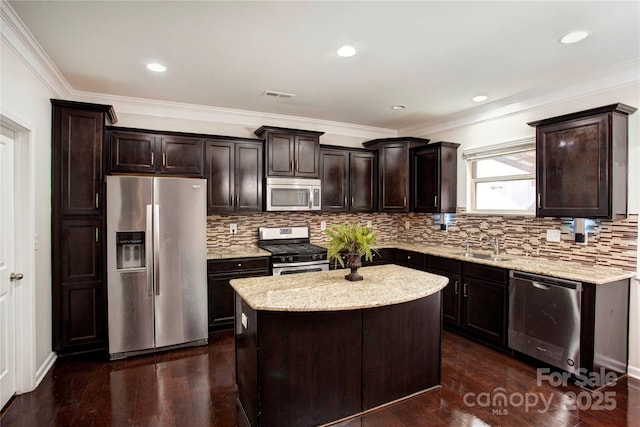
(502,178)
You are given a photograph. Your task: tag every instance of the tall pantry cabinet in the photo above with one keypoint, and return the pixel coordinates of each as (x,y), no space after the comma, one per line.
(78,226)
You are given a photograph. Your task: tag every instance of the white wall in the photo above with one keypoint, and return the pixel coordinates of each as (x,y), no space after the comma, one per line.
(514,127)
(24,96)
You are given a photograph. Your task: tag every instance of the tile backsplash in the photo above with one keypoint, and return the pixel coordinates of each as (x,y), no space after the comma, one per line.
(610,243)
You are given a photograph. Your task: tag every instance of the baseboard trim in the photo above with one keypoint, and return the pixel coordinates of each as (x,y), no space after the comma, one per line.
(633,372)
(44,369)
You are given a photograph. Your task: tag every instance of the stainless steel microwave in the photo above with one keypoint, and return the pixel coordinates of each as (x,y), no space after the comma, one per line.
(293,194)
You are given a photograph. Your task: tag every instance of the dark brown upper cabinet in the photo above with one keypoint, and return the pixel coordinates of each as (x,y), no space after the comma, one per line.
(234,173)
(393,171)
(78,226)
(434,169)
(134,151)
(348,180)
(582,163)
(291,152)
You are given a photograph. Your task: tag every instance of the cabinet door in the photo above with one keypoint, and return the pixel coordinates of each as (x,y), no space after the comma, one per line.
(280,155)
(133,152)
(451,298)
(82,317)
(484,313)
(78,157)
(394,177)
(80,250)
(334,167)
(220,175)
(307,157)
(248,177)
(572,176)
(181,156)
(362,178)
(221,305)
(426,182)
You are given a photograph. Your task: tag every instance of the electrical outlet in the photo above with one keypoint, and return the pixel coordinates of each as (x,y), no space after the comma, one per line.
(369,224)
(553,235)
(233,228)
(323,225)
(407,225)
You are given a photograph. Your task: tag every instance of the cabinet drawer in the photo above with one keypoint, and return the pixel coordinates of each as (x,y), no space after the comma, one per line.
(238,264)
(410,258)
(485,272)
(444,264)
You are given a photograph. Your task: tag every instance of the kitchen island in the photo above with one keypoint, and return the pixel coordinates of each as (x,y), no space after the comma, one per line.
(314,348)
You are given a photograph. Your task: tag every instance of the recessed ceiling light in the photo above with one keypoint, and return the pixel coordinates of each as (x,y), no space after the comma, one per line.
(158,68)
(574,37)
(398,107)
(346,51)
(480,98)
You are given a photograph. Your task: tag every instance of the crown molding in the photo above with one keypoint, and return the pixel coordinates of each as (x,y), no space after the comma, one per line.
(141,107)
(618,76)
(16,35)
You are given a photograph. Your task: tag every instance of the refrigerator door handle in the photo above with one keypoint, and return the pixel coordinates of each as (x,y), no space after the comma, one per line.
(148,252)
(156,246)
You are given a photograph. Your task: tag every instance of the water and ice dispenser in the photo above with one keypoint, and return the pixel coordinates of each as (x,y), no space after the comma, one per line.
(130,250)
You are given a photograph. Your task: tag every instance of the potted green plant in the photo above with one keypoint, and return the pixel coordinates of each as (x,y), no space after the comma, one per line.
(351,241)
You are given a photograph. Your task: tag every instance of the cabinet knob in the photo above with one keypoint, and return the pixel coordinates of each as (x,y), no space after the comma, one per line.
(16,276)
(239,264)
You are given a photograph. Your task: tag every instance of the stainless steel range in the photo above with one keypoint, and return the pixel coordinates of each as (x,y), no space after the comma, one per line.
(291,251)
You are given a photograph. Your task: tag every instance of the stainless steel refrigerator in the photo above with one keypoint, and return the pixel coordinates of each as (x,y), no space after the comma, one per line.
(157,263)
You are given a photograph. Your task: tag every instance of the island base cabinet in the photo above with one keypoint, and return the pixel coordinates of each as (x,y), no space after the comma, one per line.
(401,350)
(312,368)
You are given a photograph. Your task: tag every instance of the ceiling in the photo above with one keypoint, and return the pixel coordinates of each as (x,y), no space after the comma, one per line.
(431,56)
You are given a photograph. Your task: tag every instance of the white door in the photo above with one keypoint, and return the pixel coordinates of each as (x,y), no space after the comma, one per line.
(7,274)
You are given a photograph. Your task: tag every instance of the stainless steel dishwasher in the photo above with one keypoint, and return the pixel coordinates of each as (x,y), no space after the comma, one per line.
(544,319)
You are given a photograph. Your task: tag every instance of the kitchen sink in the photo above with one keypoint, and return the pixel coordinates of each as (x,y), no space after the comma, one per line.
(483,256)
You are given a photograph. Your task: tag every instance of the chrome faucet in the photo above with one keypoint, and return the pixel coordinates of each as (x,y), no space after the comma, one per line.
(495,243)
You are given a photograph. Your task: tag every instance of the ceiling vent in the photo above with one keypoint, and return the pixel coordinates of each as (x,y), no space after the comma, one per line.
(276,94)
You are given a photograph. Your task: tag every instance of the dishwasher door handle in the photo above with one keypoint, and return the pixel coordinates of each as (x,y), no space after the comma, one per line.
(540,285)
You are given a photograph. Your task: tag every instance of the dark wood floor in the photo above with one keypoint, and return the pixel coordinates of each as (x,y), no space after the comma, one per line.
(195,387)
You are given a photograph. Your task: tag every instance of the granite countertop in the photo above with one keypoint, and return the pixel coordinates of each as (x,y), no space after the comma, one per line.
(559,269)
(330,291)
(236,252)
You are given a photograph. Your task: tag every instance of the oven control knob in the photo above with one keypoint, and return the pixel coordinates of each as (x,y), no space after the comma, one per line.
(290,258)
(283,258)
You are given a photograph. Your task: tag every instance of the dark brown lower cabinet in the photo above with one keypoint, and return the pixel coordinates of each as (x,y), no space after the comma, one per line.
(475,300)
(483,309)
(83,317)
(220,292)
(311,368)
(80,323)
